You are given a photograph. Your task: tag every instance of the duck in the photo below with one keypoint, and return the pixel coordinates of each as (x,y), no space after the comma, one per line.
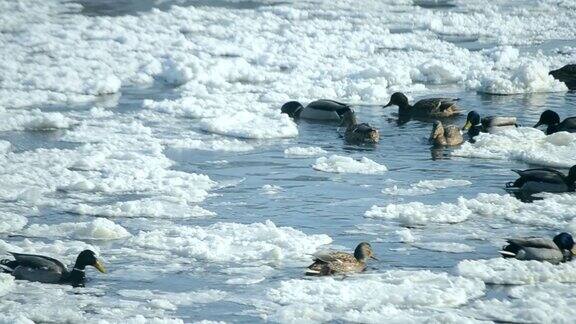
(445,136)
(335,262)
(552,120)
(490,124)
(559,249)
(543,180)
(432,107)
(566,74)
(358,133)
(45,269)
(323,109)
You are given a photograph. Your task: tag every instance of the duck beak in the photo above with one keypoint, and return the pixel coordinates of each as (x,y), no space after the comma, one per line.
(537,124)
(467,125)
(98,265)
(573,250)
(388,104)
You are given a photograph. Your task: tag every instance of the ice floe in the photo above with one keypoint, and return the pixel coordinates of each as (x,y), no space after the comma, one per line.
(397,295)
(259,243)
(98,229)
(523,144)
(298,151)
(346,164)
(425,187)
(516,272)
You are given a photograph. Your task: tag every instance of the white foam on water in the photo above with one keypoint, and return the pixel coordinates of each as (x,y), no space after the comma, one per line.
(516,272)
(346,164)
(5,146)
(147,207)
(450,247)
(416,213)
(259,243)
(10,222)
(298,151)
(425,187)
(33,120)
(248,125)
(98,229)
(268,189)
(397,295)
(543,303)
(523,144)
(556,211)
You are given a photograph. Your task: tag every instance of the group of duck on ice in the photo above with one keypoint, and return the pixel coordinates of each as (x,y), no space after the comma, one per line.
(560,248)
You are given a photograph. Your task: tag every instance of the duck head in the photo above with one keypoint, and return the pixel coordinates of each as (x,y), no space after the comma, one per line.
(437,135)
(399,99)
(472,119)
(564,241)
(363,252)
(88,258)
(548,118)
(292,109)
(571,176)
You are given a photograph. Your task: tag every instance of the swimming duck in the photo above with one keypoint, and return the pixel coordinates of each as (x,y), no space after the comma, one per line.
(44,269)
(341,262)
(445,136)
(543,180)
(433,107)
(358,133)
(489,124)
(323,109)
(552,120)
(559,249)
(566,74)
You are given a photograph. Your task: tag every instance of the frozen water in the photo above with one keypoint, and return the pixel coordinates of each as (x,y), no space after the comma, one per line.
(150,133)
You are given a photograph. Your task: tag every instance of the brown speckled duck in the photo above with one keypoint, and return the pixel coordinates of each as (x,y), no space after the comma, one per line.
(358,133)
(432,107)
(445,136)
(329,263)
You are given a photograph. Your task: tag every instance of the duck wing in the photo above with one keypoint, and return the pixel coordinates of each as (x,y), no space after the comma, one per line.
(533,242)
(329,105)
(541,175)
(568,125)
(330,257)
(38,275)
(493,121)
(33,261)
(441,107)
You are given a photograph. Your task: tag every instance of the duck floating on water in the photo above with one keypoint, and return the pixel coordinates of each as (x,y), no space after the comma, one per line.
(445,136)
(566,74)
(44,269)
(543,180)
(552,120)
(329,263)
(490,124)
(432,107)
(358,133)
(323,109)
(559,249)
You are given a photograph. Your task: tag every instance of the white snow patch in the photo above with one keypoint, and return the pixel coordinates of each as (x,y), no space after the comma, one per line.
(98,229)
(346,164)
(298,151)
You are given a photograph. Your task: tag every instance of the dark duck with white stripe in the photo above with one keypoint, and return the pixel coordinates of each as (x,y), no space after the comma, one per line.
(552,120)
(489,124)
(323,109)
(432,107)
(45,269)
(559,249)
